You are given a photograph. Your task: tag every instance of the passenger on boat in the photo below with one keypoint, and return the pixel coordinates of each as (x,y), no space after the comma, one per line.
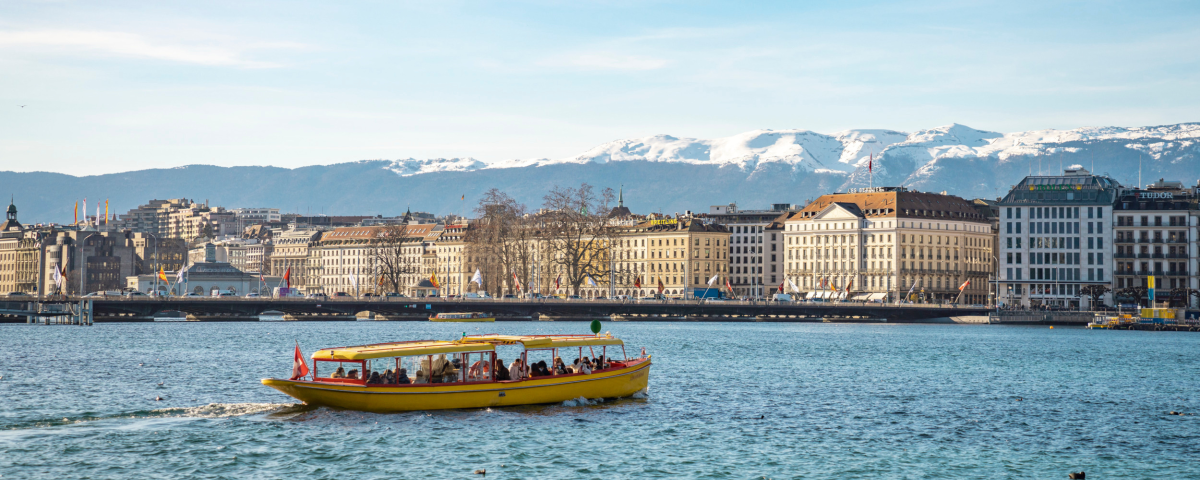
(540,370)
(340,373)
(516,370)
(449,372)
(353,375)
(403,377)
(389,376)
(560,368)
(374,378)
(501,372)
(585,367)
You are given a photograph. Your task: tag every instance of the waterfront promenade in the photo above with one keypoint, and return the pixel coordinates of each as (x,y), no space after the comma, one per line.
(230,308)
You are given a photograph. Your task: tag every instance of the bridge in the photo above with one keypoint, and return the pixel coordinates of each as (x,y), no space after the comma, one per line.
(227,308)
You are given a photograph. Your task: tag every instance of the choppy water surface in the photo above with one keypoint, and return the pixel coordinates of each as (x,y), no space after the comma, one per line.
(725,401)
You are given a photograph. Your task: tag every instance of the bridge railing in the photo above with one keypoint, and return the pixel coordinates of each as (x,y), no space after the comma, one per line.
(550,300)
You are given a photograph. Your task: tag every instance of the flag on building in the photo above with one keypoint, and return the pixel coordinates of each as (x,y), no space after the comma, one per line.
(76,212)
(591,281)
(58,276)
(964,285)
(727,286)
(712,280)
(433,279)
(660,286)
(106,211)
(850,285)
(780,287)
(557,281)
(871,163)
(162,275)
(181,275)
(793,285)
(516,281)
(637,282)
(299,367)
(478,278)
(287,277)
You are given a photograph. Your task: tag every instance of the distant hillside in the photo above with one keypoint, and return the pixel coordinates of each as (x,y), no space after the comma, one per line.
(660,173)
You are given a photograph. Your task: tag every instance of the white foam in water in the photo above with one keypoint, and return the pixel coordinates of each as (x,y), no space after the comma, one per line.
(222,410)
(643,393)
(577,402)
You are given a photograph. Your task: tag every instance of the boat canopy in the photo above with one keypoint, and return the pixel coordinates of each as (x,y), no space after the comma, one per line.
(432,347)
(547,341)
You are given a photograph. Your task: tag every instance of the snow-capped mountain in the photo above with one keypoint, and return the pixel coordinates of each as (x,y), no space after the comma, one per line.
(411,166)
(660,173)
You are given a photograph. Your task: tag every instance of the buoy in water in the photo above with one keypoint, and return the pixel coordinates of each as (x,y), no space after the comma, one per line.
(1052,327)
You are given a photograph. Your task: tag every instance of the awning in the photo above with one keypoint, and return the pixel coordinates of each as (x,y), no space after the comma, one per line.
(399,350)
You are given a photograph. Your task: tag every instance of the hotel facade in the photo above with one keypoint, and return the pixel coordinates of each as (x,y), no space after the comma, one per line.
(888,244)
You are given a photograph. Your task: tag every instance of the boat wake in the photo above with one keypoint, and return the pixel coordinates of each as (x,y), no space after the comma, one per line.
(224,410)
(212,410)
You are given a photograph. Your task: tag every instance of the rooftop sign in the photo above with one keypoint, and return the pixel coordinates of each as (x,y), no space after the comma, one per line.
(1041,188)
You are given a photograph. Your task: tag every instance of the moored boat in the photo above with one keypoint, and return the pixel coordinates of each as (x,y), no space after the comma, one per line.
(462,317)
(466,373)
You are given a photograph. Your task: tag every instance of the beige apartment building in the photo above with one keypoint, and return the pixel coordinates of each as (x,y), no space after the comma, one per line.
(888,243)
(682,253)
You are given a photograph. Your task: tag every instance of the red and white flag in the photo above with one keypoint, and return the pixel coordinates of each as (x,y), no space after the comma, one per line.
(516,281)
(299,368)
(727,287)
(557,282)
(964,285)
(287,277)
(871,163)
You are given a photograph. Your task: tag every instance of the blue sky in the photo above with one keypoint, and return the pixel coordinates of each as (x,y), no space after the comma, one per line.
(117,86)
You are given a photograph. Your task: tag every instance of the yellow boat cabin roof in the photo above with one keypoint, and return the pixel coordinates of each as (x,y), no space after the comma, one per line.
(475,343)
(547,341)
(400,349)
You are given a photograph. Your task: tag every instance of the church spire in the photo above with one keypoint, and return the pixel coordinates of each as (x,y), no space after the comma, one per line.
(621,197)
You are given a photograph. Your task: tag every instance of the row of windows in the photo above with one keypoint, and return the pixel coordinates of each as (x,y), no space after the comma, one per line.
(1054,212)
(1059,274)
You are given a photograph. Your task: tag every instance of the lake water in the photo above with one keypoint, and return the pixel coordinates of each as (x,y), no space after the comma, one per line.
(725,401)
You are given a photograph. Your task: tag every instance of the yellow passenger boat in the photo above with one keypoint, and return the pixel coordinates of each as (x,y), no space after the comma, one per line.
(470,377)
(462,317)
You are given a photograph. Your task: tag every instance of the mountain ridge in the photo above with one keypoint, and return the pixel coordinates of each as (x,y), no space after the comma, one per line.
(661,172)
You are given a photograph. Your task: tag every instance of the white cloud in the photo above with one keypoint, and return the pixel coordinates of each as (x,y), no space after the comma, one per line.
(133,45)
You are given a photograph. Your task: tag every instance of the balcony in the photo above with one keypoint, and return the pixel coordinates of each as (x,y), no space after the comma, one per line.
(1177,255)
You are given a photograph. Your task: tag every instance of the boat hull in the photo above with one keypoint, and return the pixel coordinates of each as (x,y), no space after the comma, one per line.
(611,384)
(483,319)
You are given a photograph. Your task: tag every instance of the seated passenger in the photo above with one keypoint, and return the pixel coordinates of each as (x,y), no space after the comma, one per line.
(516,370)
(353,375)
(450,372)
(560,368)
(501,372)
(585,367)
(374,378)
(543,369)
(389,376)
(402,378)
(340,373)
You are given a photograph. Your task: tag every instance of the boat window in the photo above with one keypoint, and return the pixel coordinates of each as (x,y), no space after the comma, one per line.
(350,371)
(479,366)
(440,368)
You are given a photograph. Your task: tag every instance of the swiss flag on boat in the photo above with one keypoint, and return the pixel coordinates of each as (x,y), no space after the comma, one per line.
(299,368)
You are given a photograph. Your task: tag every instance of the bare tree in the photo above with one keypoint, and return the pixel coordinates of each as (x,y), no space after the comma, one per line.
(501,241)
(1095,292)
(391,262)
(574,225)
